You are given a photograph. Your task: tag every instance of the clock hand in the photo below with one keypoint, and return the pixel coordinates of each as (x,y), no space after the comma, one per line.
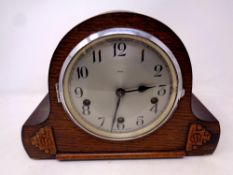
(140,88)
(120,93)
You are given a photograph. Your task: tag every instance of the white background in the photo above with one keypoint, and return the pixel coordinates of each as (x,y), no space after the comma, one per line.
(29,33)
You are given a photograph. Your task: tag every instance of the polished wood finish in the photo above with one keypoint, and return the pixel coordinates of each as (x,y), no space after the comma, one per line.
(180,135)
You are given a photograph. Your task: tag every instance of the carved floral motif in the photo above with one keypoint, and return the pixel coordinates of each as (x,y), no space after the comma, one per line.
(44,140)
(197,136)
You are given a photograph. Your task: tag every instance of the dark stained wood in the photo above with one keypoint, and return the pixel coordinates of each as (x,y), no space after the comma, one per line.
(43,108)
(172,137)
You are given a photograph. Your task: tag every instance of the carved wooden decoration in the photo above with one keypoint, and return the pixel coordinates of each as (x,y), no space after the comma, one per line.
(50,134)
(197,136)
(44,141)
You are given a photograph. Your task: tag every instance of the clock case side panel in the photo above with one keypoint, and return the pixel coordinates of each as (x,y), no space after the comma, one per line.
(37,134)
(204,133)
(70,142)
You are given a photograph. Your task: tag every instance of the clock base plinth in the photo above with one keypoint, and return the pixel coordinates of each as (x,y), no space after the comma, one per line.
(42,139)
(129,155)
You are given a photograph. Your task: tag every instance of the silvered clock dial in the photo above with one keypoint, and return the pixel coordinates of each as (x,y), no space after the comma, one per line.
(120,84)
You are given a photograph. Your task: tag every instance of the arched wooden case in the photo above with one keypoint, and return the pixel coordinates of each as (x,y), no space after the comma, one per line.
(50,134)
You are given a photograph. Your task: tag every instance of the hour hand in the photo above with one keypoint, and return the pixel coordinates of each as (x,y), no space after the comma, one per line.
(140,88)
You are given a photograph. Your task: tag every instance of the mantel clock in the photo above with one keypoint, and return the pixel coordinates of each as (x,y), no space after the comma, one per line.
(120,86)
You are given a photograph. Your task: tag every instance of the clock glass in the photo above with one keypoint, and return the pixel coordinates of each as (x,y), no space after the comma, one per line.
(120,84)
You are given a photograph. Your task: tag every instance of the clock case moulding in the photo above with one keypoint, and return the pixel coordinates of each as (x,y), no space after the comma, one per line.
(50,134)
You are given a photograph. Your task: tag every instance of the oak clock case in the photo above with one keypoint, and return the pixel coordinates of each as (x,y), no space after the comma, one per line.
(120,86)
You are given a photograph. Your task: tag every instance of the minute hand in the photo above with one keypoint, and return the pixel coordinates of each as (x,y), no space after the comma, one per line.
(141,88)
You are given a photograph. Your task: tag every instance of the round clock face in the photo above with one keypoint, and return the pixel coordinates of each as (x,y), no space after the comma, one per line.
(120,84)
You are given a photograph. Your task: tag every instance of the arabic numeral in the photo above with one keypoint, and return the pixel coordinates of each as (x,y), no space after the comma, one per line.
(162,91)
(97,58)
(120,123)
(154,101)
(82,72)
(102,120)
(86,107)
(140,120)
(119,49)
(158,69)
(78,92)
(142,55)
